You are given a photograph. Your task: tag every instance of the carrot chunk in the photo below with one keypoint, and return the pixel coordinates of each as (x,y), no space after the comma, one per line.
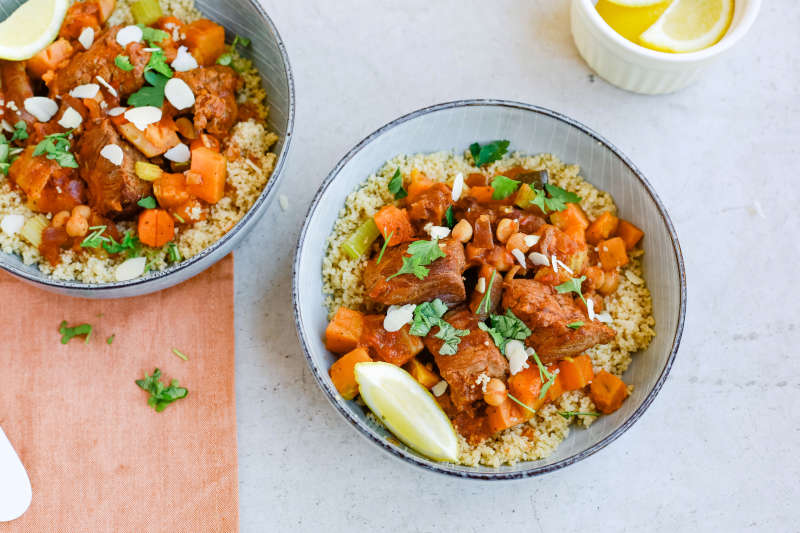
(570,216)
(557,388)
(343,375)
(607,392)
(205,40)
(612,253)
(156,227)
(209,171)
(426,377)
(207,140)
(507,414)
(50,58)
(394,221)
(629,233)
(171,190)
(344,331)
(526,386)
(483,194)
(602,228)
(419,184)
(575,372)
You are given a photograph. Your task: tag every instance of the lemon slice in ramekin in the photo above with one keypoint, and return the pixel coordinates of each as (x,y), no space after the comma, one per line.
(689,25)
(30,28)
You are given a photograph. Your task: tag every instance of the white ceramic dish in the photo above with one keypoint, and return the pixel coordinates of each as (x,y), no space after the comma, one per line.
(638,69)
(531,130)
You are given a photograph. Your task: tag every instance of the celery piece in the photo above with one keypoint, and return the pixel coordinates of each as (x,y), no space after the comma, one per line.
(525,196)
(32,229)
(148,171)
(361,239)
(146,11)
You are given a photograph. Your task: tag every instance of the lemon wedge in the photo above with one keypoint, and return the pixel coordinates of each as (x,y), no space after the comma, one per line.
(407,409)
(635,3)
(30,28)
(689,25)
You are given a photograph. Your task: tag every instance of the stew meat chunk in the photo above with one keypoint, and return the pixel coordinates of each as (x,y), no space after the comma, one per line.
(215,108)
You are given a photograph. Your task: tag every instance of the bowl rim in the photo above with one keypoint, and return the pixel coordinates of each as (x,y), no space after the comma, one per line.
(428,465)
(730,38)
(252,214)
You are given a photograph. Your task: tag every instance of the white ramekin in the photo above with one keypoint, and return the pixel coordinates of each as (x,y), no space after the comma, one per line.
(638,69)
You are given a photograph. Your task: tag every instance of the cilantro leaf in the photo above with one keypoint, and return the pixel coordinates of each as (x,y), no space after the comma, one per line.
(158,63)
(573,285)
(505,328)
(559,198)
(486,301)
(569,414)
(396,186)
(427,315)
(150,95)
(244,41)
(540,200)
(148,202)
(160,395)
(225,59)
(451,337)
(68,333)
(111,339)
(449,218)
(95,238)
(129,243)
(503,187)
(152,35)
(422,253)
(56,147)
(488,153)
(20,131)
(123,62)
(575,325)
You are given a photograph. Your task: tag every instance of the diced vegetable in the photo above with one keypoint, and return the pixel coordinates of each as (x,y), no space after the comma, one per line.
(612,253)
(190,212)
(419,184)
(570,217)
(185,128)
(156,227)
(548,276)
(603,281)
(524,197)
(602,228)
(154,140)
(344,331)
(557,388)
(359,242)
(342,372)
(575,372)
(629,233)
(32,229)
(607,392)
(207,140)
(168,23)
(148,171)
(507,414)
(526,387)
(50,58)
(171,190)
(482,194)
(426,377)
(146,11)
(395,347)
(205,40)
(208,172)
(395,222)
(105,7)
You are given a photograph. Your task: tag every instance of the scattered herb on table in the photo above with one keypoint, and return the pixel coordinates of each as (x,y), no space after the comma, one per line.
(503,187)
(161,395)
(110,340)
(56,147)
(427,315)
(422,253)
(67,334)
(570,414)
(573,285)
(396,186)
(180,354)
(575,325)
(488,153)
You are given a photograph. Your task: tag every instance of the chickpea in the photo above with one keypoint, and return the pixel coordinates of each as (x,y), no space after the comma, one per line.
(59,219)
(517,241)
(495,392)
(505,228)
(77,226)
(82,210)
(462,231)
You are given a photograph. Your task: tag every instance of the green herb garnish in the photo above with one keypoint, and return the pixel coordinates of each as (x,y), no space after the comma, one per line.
(226,58)
(568,414)
(56,147)
(123,62)
(147,203)
(173,254)
(486,301)
(152,35)
(576,324)
(238,39)
(111,339)
(449,219)
(161,395)
(180,354)
(488,153)
(68,333)
(178,218)
(150,95)
(129,244)
(543,374)
(95,238)
(505,328)
(427,315)
(422,253)
(503,187)
(451,337)
(383,248)
(20,131)
(396,186)
(573,285)
(158,63)
(558,200)
(513,399)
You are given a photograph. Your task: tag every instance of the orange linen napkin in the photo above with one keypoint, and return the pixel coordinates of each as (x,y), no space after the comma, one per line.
(99,458)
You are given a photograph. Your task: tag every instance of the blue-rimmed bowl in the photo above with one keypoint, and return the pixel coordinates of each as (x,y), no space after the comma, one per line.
(531,130)
(239,17)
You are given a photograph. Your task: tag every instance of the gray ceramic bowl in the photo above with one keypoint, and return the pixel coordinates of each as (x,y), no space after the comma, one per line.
(454,126)
(239,17)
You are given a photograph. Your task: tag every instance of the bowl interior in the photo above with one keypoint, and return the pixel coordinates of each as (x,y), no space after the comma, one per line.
(239,17)
(531,130)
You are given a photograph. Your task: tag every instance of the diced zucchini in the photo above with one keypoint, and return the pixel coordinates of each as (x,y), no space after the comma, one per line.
(146,11)
(148,171)
(361,239)
(32,229)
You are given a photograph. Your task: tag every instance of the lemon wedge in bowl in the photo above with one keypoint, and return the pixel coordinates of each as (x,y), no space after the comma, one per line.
(689,25)
(635,3)
(30,28)
(407,409)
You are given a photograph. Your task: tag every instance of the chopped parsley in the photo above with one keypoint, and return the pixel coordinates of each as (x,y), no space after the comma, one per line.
(180,354)
(449,219)
(396,186)
(558,200)
(451,337)
(575,325)
(152,35)
(67,334)
(226,58)
(95,237)
(383,248)
(570,414)
(161,395)
(505,328)
(488,153)
(514,399)
(178,218)
(147,203)
(56,147)
(20,131)
(158,63)
(173,254)
(427,315)
(150,95)
(111,339)
(503,187)
(573,285)
(123,62)
(486,301)
(543,374)
(422,253)
(129,244)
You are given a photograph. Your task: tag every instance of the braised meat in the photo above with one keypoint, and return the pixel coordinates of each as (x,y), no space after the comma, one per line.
(470,209)
(49,187)
(16,88)
(444,280)
(430,205)
(396,347)
(113,190)
(476,355)
(547,314)
(215,109)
